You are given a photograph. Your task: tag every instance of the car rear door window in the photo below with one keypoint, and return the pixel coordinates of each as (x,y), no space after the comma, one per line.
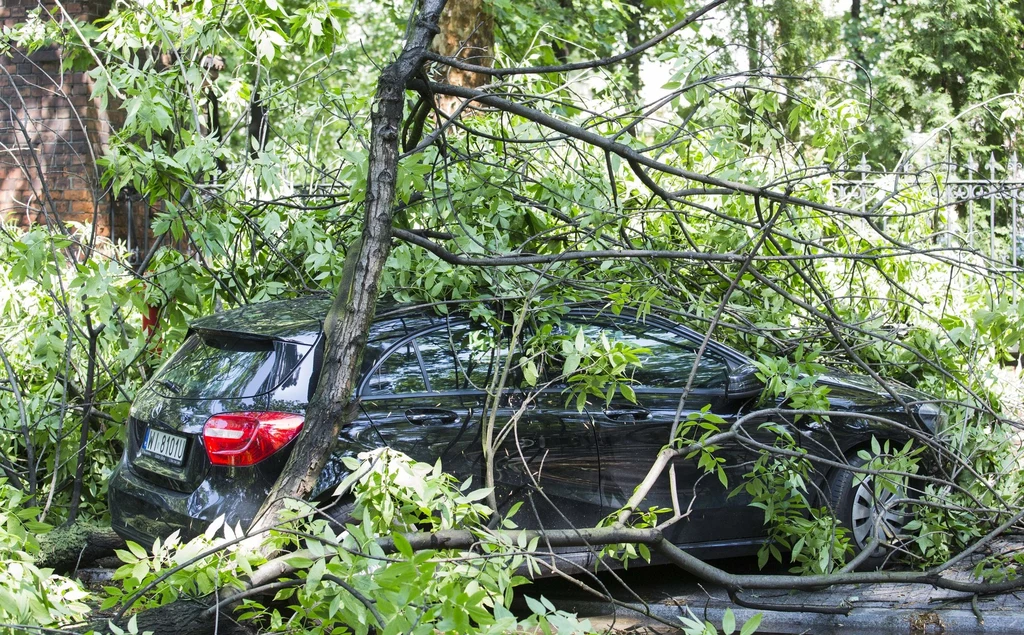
(399,373)
(458,358)
(454,357)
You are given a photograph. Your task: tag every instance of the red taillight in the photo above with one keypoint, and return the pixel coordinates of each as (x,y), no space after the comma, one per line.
(246,438)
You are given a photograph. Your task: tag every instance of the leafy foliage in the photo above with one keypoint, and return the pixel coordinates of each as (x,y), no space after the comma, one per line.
(694,626)
(28,594)
(247,221)
(340,568)
(811,537)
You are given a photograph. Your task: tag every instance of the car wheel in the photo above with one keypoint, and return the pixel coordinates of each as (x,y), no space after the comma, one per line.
(867,516)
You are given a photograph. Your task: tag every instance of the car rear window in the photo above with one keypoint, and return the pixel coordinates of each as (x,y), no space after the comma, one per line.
(223,366)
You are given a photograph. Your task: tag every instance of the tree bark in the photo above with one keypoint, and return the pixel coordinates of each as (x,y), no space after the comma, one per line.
(467,33)
(184,616)
(199,616)
(352,312)
(634,38)
(753,48)
(561,48)
(257,125)
(83,442)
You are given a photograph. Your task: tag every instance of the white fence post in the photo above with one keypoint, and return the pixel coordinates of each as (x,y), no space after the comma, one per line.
(972,175)
(993,192)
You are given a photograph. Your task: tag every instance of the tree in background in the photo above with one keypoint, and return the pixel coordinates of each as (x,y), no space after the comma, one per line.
(920,66)
(467,33)
(952,64)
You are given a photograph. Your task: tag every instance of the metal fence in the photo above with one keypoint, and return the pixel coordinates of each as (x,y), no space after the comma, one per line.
(976,206)
(130,222)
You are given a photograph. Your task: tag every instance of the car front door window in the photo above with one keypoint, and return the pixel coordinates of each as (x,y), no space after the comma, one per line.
(668,357)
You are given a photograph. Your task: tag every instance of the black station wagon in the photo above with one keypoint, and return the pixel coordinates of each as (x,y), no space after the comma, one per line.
(211,431)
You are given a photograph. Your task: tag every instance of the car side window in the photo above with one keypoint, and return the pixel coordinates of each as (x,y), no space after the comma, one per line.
(669,357)
(456,358)
(452,358)
(399,373)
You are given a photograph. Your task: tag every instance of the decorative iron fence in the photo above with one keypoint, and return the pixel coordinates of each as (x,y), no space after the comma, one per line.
(976,207)
(130,222)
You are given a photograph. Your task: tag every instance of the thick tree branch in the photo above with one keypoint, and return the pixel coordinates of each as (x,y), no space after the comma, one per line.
(420,239)
(352,312)
(26,433)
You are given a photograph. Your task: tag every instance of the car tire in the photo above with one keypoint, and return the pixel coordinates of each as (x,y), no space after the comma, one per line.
(857,509)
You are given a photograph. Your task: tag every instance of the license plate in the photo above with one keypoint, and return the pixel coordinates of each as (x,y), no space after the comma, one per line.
(165,446)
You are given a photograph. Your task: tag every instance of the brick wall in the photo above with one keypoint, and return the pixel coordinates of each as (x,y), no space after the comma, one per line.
(51,132)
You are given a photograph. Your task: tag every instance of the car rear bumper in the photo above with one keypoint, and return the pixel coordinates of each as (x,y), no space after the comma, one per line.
(143,512)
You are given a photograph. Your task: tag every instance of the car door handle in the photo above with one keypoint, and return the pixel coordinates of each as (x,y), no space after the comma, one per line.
(636,413)
(423,416)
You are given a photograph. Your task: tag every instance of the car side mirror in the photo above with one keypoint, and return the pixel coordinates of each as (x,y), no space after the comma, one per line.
(743,382)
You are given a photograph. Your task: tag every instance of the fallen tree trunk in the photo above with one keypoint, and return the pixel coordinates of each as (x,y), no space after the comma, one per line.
(182,617)
(188,617)
(68,548)
(348,321)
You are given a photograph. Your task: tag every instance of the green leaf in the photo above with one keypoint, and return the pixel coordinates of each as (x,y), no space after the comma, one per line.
(581,401)
(477,494)
(9,604)
(108,603)
(137,550)
(402,544)
(299,562)
(627,392)
(644,551)
(728,622)
(572,363)
(140,570)
(536,606)
(530,372)
(316,573)
(797,548)
(751,625)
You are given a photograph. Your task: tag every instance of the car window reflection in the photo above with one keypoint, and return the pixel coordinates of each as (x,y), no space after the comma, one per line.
(453,358)
(669,360)
(218,366)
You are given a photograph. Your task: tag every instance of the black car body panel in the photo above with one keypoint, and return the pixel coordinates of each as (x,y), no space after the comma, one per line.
(423,391)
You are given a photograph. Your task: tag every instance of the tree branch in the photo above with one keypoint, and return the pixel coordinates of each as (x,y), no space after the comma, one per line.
(578,66)
(624,151)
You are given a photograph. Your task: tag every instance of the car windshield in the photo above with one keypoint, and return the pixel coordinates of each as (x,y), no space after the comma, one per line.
(222,366)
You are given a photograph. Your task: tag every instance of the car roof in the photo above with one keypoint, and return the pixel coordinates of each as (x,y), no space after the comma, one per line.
(297,319)
(301,319)
(292,319)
